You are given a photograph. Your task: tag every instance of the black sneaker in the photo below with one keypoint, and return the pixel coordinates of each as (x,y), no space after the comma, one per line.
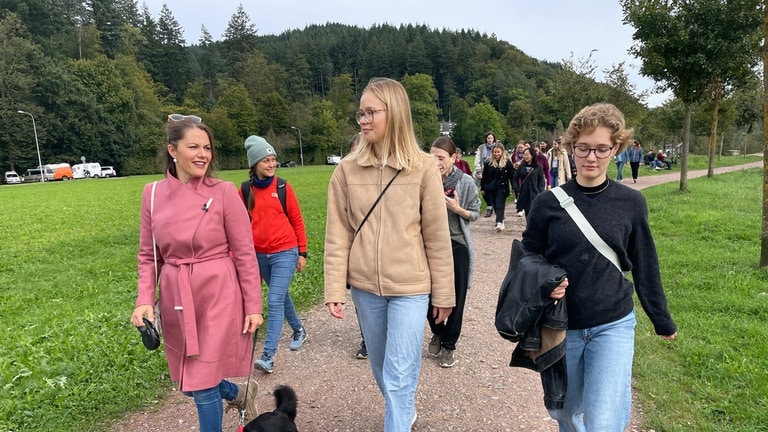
(362,353)
(488,212)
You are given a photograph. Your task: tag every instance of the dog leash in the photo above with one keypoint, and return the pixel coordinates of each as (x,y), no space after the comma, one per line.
(241,426)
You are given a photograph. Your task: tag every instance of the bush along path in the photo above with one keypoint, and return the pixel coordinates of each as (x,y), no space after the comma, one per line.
(337,392)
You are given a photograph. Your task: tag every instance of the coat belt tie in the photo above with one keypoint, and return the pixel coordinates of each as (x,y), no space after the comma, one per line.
(187,306)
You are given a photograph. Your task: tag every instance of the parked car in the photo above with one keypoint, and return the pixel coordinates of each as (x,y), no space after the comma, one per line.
(11,177)
(34,175)
(333,160)
(289,164)
(108,171)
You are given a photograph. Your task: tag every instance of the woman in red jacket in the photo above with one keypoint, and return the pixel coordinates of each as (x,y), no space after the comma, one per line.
(280,241)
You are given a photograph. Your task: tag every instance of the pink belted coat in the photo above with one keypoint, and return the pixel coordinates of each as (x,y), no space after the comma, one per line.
(209,278)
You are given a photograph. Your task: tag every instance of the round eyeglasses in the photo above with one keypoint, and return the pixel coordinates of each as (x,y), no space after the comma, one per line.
(601,152)
(367,114)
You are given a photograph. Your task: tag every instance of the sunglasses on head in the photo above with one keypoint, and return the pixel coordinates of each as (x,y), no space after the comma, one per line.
(181,117)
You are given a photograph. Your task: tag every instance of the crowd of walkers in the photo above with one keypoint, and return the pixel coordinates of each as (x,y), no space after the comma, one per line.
(398,245)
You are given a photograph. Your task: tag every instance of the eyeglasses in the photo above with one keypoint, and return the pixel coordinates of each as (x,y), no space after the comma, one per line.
(601,152)
(367,115)
(182,117)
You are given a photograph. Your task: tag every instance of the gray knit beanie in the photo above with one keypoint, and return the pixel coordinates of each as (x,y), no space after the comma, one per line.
(257,149)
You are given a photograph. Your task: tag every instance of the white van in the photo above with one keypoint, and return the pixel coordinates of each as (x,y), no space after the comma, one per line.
(85,170)
(11,177)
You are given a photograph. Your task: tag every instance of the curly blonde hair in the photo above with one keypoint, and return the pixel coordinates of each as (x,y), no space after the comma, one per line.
(593,116)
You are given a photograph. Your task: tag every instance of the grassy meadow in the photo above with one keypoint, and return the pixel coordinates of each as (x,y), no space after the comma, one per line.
(71,360)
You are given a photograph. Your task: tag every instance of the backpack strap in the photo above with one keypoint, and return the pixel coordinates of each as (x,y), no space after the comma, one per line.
(281,194)
(245,190)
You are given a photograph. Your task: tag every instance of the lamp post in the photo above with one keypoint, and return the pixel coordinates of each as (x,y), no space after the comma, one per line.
(301,149)
(39,161)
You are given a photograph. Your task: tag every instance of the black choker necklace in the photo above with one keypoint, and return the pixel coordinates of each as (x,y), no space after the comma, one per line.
(607,183)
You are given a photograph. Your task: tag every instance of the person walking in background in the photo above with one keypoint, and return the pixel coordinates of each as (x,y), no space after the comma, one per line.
(494,186)
(461,163)
(386,206)
(463,207)
(517,158)
(559,165)
(541,160)
(620,159)
(635,155)
(280,242)
(531,182)
(194,238)
(362,352)
(481,157)
(601,317)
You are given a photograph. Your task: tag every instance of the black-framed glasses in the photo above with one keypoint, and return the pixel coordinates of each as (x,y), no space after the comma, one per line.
(367,115)
(601,152)
(182,117)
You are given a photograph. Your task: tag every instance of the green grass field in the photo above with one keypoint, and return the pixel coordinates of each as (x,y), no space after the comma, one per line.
(71,360)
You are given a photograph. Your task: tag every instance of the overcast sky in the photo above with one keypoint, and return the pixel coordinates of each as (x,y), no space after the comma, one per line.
(545,29)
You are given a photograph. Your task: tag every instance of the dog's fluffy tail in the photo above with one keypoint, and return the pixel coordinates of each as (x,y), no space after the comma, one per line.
(286,401)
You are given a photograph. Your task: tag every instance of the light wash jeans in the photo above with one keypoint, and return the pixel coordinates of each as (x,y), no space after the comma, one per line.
(619,171)
(599,360)
(394,333)
(277,271)
(210,411)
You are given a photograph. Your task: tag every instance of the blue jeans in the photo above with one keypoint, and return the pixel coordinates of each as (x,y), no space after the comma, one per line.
(210,411)
(619,174)
(394,333)
(599,360)
(554,173)
(277,271)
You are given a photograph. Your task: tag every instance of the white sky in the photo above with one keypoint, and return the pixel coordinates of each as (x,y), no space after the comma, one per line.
(545,29)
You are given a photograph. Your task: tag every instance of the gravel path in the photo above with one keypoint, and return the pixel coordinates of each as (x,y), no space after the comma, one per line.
(337,392)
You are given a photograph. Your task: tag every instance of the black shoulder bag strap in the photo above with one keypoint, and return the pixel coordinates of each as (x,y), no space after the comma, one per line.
(376,202)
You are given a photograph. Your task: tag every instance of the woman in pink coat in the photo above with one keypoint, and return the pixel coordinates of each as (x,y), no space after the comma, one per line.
(210,289)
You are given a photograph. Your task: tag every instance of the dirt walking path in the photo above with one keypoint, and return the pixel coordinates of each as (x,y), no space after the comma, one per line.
(336,391)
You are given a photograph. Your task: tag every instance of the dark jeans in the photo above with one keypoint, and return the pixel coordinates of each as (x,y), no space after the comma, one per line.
(635,167)
(497,198)
(449,333)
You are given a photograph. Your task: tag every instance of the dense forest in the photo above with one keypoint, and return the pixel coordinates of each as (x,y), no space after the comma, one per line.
(99,78)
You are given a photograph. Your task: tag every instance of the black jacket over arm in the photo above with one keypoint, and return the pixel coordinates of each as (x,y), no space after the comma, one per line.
(526,314)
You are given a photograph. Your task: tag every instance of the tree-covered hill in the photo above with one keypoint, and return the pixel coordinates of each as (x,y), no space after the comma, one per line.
(101,76)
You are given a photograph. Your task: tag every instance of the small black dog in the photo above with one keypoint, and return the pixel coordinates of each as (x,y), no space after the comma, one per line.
(282,418)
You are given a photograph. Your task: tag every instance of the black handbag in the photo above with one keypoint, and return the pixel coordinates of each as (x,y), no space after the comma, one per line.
(149,335)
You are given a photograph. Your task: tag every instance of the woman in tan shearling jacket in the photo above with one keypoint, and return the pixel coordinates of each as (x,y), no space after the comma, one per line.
(401,254)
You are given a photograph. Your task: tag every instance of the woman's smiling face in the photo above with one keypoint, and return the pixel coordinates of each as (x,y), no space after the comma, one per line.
(193,154)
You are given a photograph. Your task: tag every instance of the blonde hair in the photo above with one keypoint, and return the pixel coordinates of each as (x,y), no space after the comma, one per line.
(502,160)
(593,116)
(399,143)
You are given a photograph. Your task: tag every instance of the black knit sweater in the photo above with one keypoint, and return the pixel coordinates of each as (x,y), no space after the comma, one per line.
(597,292)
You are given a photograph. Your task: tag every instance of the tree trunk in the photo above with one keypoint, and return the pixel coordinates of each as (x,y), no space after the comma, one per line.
(713,138)
(764,231)
(684,150)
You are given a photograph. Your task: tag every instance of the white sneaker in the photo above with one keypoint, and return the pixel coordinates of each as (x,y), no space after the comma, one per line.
(520,213)
(499,226)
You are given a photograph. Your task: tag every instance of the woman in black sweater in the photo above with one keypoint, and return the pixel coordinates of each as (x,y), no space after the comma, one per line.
(601,317)
(530,181)
(494,185)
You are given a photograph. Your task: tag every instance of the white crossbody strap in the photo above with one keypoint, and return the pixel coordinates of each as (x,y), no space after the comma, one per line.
(152,210)
(567,203)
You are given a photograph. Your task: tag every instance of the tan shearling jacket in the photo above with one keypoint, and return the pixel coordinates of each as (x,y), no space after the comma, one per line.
(404,248)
